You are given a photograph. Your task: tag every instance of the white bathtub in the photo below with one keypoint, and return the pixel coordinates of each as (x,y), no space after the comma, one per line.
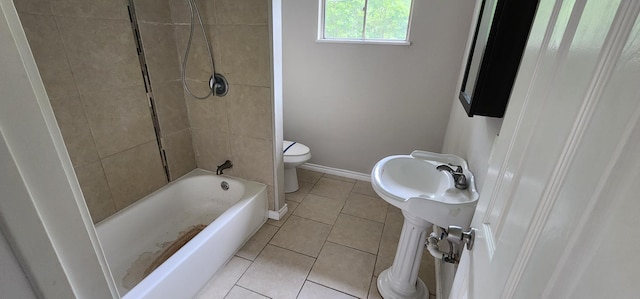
(231,217)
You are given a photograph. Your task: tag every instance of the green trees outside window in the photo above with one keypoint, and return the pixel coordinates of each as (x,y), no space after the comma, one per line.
(366,19)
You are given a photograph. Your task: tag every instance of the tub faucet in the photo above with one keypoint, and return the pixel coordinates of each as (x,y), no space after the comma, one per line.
(227,164)
(458,176)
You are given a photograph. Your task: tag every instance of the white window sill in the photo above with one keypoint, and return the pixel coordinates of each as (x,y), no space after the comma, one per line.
(364,42)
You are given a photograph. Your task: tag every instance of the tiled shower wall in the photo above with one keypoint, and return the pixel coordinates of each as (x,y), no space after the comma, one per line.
(239,126)
(87,59)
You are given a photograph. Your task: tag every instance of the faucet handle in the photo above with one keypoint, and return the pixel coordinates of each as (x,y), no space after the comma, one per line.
(458,167)
(461,182)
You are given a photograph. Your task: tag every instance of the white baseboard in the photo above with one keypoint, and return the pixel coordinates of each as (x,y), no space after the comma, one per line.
(336,171)
(277,215)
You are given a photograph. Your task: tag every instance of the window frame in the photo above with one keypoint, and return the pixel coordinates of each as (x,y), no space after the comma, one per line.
(322,39)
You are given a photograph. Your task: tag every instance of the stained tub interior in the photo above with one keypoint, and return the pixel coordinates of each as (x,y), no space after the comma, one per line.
(137,236)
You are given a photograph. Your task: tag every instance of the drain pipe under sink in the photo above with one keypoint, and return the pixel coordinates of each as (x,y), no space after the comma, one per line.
(432,246)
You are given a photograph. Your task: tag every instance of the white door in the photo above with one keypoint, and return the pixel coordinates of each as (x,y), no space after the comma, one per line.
(558,215)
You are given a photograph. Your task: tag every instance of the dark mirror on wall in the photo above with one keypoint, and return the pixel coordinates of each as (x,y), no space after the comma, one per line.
(496,50)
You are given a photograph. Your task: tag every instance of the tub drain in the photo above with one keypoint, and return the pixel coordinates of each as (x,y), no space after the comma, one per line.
(224,185)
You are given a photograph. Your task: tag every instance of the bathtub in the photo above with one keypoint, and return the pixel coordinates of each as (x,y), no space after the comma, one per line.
(231,218)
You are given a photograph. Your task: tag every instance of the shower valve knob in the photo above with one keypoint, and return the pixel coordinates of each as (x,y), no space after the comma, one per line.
(457,235)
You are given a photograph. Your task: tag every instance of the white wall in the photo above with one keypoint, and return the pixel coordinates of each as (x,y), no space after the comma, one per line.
(354,104)
(42,210)
(472,139)
(13,282)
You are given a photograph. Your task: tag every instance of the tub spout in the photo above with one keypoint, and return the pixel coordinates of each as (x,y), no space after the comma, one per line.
(227,164)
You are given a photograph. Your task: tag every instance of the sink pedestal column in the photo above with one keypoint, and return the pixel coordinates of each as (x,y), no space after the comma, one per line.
(401,280)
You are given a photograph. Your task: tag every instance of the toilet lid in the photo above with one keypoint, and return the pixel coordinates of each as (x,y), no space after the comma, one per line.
(297,149)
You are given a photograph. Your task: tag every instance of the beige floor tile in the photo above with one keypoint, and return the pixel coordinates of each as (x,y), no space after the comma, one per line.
(302,235)
(390,238)
(312,290)
(364,188)
(428,271)
(339,178)
(222,282)
(242,293)
(332,189)
(303,190)
(277,273)
(292,206)
(252,248)
(373,289)
(364,206)
(319,208)
(344,269)
(308,176)
(358,233)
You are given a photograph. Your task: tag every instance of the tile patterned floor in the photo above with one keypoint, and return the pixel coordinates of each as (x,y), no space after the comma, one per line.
(333,243)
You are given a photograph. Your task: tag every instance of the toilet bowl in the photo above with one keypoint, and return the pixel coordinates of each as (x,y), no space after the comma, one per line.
(295,154)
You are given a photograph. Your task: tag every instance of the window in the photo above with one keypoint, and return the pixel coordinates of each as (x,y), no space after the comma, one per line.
(374,21)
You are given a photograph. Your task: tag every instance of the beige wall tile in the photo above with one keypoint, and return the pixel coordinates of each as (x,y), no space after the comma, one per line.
(180,11)
(277,273)
(120,119)
(199,89)
(134,173)
(302,235)
(224,280)
(210,113)
(250,111)
(102,53)
(153,11)
(258,241)
(75,130)
(249,12)
(96,191)
(158,42)
(32,6)
(179,150)
(271,203)
(106,9)
(344,269)
(171,106)
(211,149)
(252,159)
(357,233)
(46,44)
(198,64)
(245,54)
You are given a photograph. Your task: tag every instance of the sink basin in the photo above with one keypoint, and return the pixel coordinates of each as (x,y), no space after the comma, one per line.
(413,184)
(426,196)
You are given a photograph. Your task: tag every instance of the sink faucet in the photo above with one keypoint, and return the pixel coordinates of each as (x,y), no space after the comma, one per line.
(225,165)
(458,176)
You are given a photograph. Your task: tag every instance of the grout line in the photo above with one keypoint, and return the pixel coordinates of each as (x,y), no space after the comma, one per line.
(351,248)
(328,287)
(250,290)
(288,249)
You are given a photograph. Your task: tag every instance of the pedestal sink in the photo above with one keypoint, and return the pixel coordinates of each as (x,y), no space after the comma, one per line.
(426,196)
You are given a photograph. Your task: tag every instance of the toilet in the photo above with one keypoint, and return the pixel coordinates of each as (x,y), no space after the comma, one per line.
(295,154)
